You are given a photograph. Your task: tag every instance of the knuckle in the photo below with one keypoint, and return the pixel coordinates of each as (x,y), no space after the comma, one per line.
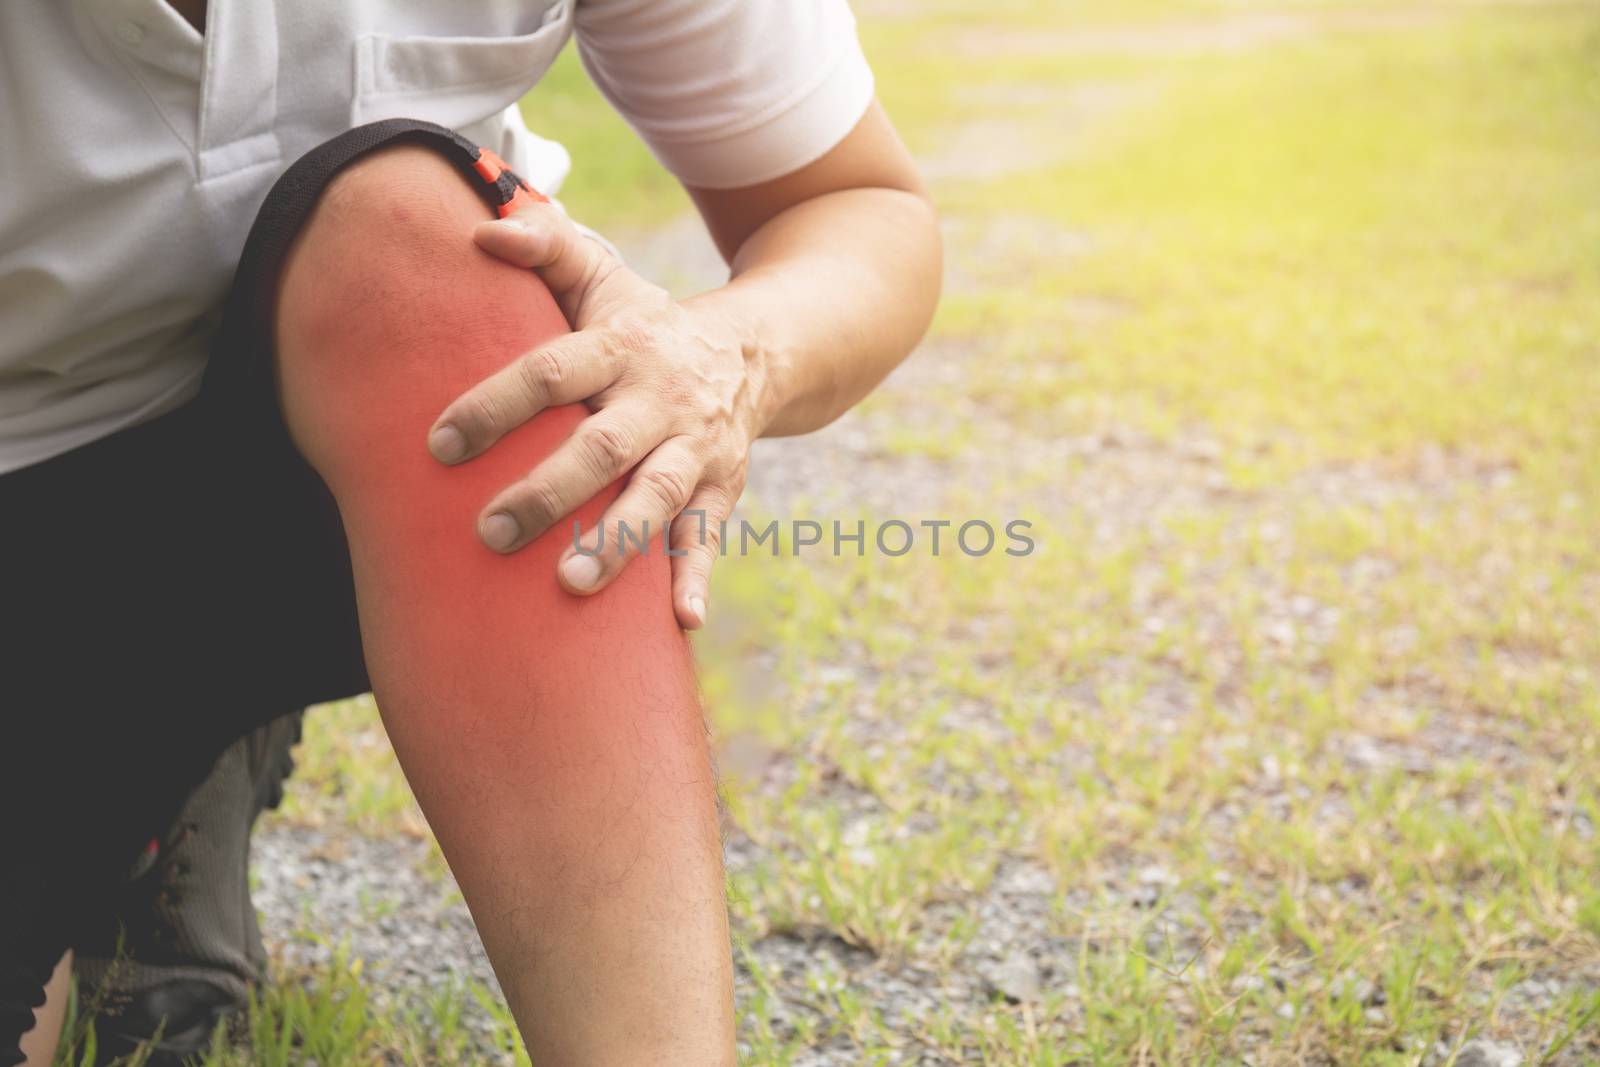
(481,412)
(560,243)
(627,536)
(712,541)
(599,263)
(542,373)
(670,486)
(542,501)
(717,502)
(702,558)
(609,448)
(694,531)
(633,335)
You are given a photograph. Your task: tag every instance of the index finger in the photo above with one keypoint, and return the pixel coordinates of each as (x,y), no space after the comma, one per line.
(566,370)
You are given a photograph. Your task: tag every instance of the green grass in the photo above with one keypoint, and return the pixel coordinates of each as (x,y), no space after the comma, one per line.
(332,1017)
(1338,682)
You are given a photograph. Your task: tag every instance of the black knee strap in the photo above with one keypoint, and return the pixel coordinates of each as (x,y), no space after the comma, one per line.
(309,563)
(292,197)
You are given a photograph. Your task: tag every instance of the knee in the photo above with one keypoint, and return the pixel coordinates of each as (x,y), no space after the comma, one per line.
(386,304)
(369,259)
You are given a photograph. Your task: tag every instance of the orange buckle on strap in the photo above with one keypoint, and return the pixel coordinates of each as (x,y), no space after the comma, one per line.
(514,192)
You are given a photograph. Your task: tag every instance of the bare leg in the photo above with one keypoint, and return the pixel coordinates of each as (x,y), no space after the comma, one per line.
(555,743)
(39,1044)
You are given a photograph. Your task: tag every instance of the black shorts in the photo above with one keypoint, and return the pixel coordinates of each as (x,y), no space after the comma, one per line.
(165,591)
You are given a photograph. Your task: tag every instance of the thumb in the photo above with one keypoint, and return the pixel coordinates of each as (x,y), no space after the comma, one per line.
(541,238)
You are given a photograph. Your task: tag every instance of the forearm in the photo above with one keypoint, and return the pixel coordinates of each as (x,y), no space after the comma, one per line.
(829,296)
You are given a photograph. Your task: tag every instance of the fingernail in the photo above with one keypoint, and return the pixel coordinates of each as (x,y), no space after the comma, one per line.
(580,571)
(500,531)
(447,444)
(510,224)
(697,609)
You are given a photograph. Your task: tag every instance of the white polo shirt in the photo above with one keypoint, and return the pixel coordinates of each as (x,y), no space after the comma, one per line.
(134,151)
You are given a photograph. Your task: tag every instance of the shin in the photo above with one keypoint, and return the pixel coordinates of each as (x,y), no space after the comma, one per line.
(554,742)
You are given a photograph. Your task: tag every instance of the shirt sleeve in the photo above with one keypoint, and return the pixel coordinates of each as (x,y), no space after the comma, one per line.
(729,92)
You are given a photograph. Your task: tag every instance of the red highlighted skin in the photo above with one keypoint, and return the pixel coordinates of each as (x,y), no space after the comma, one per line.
(555,742)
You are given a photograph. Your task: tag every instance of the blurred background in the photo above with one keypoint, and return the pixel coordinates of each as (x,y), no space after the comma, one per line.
(1281,325)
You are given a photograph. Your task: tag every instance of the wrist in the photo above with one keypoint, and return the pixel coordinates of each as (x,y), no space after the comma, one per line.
(765,365)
